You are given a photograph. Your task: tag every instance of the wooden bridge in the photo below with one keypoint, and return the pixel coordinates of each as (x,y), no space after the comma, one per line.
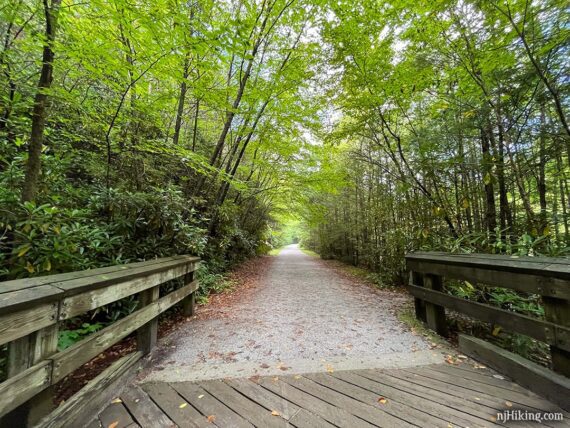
(32,310)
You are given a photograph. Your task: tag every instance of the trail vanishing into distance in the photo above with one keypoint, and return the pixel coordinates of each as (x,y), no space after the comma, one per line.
(301,316)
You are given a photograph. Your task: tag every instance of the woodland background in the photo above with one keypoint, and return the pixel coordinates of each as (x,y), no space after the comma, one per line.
(137,129)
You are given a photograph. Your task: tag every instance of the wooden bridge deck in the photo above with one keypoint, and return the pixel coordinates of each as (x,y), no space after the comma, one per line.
(429,396)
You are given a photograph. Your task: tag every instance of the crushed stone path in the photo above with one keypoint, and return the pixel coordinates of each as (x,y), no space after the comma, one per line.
(301,317)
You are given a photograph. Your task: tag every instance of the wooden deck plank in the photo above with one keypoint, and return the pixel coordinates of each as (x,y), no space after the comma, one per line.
(334,415)
(475,402)
(95,423)
(209,406)
(144,410)
(395,407)
(247,409)
(305,419)
(465,397)
(116,415)
(369,413)
(459,403)
(263,397)
(486,377)
(173,405)
(434,396)
(420,402)
(489,390)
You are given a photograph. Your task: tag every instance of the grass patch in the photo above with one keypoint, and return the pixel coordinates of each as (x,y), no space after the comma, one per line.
(309,252)
(407,315)
(275,251)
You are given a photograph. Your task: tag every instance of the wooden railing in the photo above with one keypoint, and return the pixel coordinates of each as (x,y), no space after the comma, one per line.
(32,310)
(547,277)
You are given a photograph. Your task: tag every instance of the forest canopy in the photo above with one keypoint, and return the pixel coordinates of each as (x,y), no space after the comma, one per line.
(136,129)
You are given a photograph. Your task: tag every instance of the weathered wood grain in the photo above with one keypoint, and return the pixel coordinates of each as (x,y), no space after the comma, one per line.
(265,398)
(401,409)
(208,405)
(26,321)
(538,379)
(528,274)
(93,282)
(557,311)
(144,410)
(173,405)
(23,386)
(247,409)
(435,313)
(89,300)
(538,329)
(67,361)
(25,283)
(336,416)
(81,407)
(28,299)
(370,412)
(147,335)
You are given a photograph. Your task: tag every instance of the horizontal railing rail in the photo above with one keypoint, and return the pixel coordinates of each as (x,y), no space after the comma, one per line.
(544,276)
(32,310)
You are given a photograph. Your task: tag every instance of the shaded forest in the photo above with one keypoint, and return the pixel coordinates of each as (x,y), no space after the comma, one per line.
(131,130)
(451,134)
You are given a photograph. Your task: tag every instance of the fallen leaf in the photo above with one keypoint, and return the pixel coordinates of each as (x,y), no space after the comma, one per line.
(297,377)
(113,424)
(201,396)
(330,368)
(496,330)
(463,357)
(264,366)
(479,366)
(509,404)
(211,419)
(498,376)
(382,400)
(183,405)
(275,413)
(117,400)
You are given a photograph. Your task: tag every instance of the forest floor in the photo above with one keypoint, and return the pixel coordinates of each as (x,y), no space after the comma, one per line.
(294,314)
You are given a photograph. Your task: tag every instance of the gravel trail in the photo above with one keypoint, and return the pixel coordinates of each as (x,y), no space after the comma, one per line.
(301,317)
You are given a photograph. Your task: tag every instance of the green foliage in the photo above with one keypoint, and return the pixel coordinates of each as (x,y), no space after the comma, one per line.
(210,282)
(69,337)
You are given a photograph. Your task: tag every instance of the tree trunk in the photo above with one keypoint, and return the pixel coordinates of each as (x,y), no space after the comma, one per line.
(33,166)
(491,209)
(181,100)
(542,170)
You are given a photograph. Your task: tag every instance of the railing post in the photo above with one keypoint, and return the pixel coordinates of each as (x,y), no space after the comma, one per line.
(435,314)
(416,278)
(188,302)
(557,311)
(22,354)
(147,335)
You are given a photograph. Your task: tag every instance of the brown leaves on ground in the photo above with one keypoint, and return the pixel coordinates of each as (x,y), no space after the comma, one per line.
(211,419)
(246,278)
(382,400)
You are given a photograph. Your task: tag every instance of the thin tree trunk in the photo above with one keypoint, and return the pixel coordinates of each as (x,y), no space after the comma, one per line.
(491,209)
(181,100)
(34,163)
